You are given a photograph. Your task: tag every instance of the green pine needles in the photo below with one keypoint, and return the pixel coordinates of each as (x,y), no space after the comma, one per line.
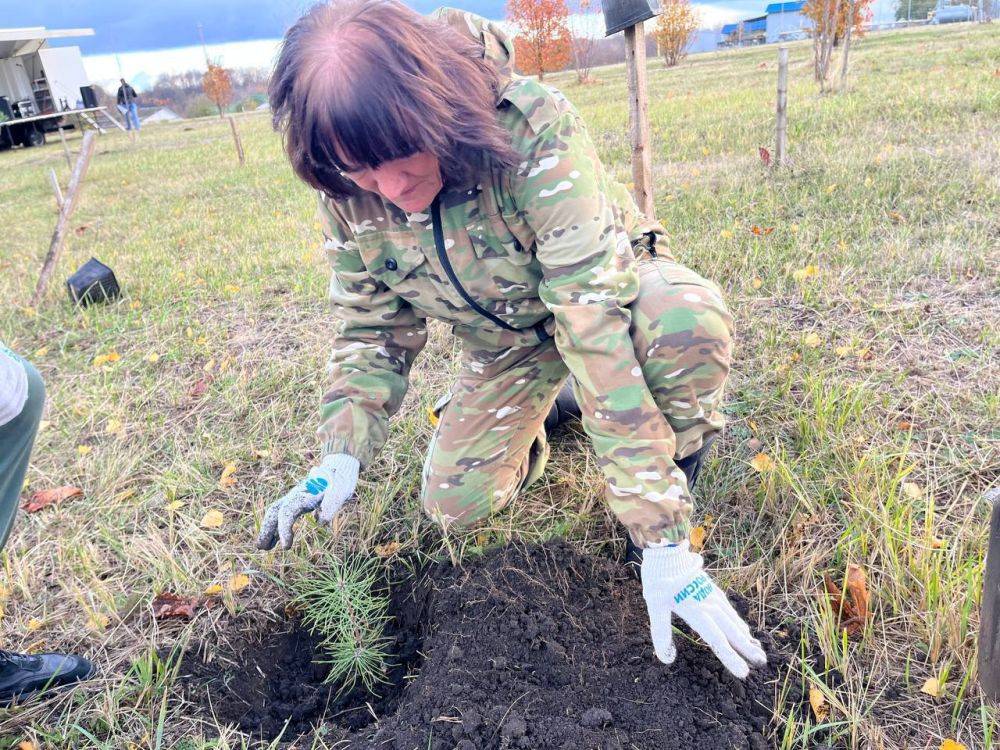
(340,601)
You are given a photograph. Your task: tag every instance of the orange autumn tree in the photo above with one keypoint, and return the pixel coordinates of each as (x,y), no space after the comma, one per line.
(543,43)
(834,21)
(218,86)
(674,30)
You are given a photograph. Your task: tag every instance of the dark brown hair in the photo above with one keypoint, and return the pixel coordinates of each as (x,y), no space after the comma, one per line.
(361,82)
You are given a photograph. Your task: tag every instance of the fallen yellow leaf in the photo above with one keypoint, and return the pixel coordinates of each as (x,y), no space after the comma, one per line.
(802,274)
(843,351)
(212,519)
(262,453)
(214,590)
(152,358)
(432,417)
(388,549)
(697,538)
(103,359)
(794,228)
(952,745)
(812,339)
(762,462)
(704,151)
(232,288)
(175,505)
(227,479)
(35,624)
(831,188)
(239,582)
(27,745)
(756,282)
(818,702)
(913,490)
(42,352)
(98,622)
(932,687)
(83,450)
(726,234)
(114,427)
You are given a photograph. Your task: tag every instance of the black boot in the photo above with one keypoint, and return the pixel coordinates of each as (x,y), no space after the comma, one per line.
(691,466)
(23,675)
(564,408)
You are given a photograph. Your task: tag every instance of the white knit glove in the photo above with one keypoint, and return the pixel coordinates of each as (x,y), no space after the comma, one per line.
(673,582)
(326,488)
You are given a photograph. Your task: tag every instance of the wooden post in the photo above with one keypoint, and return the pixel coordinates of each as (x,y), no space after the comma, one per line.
(69,159)
(781,110)
(237,140)
(989,613)
(638,115)
(55,187)
(62,223)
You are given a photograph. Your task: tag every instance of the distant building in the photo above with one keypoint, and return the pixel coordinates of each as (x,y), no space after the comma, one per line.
(160,114)
(786,22)
(704,40)
(744,33)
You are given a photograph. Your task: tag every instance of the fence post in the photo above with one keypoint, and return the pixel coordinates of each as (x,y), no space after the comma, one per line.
(65,211)
(236,139)
(781,109)
(62,137)
(55,188)
(638,109)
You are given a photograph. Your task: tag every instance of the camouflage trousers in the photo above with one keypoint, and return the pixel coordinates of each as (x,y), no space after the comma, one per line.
(490,440)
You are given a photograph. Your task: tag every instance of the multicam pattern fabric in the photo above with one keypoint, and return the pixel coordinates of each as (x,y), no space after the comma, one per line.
(536,270)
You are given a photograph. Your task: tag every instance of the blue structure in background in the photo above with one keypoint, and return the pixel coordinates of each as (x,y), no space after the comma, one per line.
(781,22)
(785,21)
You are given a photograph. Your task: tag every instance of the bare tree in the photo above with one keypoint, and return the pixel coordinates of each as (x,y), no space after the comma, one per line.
(584,19)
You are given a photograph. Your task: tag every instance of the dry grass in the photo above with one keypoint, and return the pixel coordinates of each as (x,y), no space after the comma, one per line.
(893,197)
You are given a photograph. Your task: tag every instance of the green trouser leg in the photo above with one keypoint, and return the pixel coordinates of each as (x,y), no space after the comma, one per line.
(16,439)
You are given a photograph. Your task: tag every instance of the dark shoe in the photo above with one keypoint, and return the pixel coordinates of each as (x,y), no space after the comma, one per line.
(23,675)
(691,466)
(564,408)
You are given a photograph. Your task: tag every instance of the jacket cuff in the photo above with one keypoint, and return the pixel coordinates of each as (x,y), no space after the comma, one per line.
(345,446)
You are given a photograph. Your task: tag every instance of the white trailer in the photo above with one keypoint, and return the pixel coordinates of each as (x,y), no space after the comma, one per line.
(41,86)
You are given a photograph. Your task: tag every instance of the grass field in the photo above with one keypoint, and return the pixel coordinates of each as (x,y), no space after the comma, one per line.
(866,370)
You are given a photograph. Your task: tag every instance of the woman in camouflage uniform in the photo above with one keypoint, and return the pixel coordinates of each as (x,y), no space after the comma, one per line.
(451,188)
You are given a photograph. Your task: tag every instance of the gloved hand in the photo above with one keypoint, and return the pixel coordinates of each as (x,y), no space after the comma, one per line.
(326,488)
(673,582)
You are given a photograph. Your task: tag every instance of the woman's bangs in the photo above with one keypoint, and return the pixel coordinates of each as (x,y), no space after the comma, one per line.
(362,134)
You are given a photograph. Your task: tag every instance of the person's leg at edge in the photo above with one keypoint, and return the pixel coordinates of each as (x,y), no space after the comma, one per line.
(22,675)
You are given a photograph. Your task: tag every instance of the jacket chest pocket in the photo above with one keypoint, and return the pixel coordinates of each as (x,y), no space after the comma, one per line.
(394,260)
(506,263)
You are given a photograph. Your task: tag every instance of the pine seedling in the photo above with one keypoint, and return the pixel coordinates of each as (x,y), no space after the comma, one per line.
(339,601)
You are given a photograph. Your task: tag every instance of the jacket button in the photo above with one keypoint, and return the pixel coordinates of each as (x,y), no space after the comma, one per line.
(391,264)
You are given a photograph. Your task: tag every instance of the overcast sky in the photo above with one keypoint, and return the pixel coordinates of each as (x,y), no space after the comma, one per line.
(141,39)
(131,25)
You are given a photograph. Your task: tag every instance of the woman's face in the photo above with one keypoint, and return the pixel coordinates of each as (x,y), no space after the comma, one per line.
(410,183)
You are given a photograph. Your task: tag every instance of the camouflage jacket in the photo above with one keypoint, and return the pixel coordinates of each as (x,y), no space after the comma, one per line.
(544,250)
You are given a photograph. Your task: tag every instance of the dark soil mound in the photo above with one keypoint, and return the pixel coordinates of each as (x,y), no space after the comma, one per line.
(538,647)
(545,647)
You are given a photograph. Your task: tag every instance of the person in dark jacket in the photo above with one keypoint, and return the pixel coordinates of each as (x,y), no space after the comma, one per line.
(128,105)
(22,396)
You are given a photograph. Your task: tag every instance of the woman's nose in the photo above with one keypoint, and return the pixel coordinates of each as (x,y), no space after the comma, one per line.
(391,182)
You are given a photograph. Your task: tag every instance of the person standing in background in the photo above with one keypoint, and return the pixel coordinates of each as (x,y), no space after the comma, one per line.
(22,396)
(128,106)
